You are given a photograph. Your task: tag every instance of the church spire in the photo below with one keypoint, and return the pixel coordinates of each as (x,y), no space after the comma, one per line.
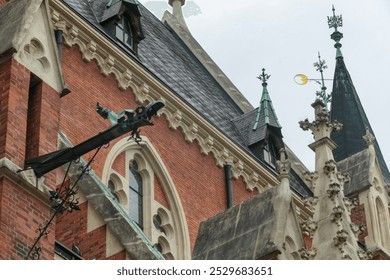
(266,112)
(347,108)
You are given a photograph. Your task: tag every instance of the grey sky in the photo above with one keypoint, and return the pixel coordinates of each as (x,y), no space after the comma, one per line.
(284,37)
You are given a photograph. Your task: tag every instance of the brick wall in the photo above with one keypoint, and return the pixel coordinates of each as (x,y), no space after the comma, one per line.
(358,217)
(21,212)
(159,194)
(14,81)
(71,228)
(20,215)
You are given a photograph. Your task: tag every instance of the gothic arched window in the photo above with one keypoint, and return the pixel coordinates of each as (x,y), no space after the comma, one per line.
(135,195)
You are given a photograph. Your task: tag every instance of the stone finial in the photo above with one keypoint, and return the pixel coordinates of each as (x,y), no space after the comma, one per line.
(369,137)
(178,11)
(171,2)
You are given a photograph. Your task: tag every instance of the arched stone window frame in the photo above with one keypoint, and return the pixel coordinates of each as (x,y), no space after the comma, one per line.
(151,165)
(383,222)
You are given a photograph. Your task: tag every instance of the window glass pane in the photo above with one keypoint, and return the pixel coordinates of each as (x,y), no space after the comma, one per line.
(118,32)
(123,32)
(135,195)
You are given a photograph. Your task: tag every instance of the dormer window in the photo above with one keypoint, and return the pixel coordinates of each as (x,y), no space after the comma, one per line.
(123,32)
(270,154)
(121,19)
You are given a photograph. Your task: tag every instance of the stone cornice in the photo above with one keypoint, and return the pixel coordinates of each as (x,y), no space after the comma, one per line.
(129,73)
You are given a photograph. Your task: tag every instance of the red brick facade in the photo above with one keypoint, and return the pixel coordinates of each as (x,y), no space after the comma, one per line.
(25,131)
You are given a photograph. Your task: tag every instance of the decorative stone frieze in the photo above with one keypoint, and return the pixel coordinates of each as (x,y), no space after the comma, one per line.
(237,169)
(190,134)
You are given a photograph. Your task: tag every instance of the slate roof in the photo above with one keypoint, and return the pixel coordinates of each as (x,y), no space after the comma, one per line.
(297,184)
(244,232)
(357,166)
(11,23)
(348,110)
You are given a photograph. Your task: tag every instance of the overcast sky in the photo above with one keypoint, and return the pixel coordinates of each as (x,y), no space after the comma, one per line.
(284,37)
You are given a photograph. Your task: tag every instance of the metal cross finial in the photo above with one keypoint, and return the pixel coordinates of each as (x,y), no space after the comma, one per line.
(320,66)
(335,21)
(264,77)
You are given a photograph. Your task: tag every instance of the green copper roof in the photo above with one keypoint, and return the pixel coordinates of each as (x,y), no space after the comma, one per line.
(265,110)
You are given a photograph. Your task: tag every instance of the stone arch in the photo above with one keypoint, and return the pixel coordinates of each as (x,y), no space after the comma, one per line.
(291,248)
(150,163)
(383,223)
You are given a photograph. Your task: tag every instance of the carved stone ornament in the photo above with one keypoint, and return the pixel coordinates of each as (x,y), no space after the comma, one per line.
(307,254)
(310,177)
(284,165)
(330,167)
(337,214)
(357,230)
(309,227)
(336,126)
(341,238)
(305,125)
(323,116)
(365,255)
(310,202)
(343,177)
(34,53)
(369,138)
(334,190)
(350,203)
